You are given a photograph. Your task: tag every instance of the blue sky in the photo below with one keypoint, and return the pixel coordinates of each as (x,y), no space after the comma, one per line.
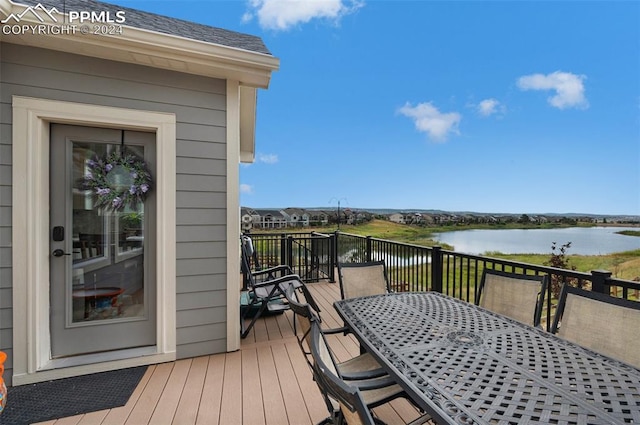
(505,106)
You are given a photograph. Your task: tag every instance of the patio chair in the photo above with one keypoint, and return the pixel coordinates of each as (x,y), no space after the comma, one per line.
(362,279)
(257,273)
(349,401)
(266,297)
(518,296)
(600,322)
(363,366)
(266,290)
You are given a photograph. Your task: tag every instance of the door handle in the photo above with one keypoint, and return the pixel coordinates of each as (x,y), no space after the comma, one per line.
(59,253)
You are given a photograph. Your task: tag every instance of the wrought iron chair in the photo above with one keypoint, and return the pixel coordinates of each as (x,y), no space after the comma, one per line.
(363,279)
(265,289)
(349,401)
(600,322)
(252,270)
(363,366)
(363,371)
(518,296)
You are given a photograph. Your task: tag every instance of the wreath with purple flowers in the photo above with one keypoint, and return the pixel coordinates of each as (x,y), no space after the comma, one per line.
(117,181)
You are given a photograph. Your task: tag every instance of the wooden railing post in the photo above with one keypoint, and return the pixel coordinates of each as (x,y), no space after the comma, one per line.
(599,281)
(436,269)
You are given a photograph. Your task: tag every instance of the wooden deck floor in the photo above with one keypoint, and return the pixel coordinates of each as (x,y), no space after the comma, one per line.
(267,382)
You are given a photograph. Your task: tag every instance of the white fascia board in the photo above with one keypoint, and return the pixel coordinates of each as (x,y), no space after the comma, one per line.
(151,48)
(248,102)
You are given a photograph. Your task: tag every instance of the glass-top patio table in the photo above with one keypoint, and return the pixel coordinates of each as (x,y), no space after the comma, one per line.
(466,365)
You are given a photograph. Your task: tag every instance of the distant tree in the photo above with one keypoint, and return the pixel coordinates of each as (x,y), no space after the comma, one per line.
(524,219)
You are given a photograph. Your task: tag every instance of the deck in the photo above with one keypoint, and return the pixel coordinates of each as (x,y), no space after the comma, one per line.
(267,382)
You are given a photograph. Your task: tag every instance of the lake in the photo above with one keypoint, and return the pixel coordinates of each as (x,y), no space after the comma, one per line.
(584,240)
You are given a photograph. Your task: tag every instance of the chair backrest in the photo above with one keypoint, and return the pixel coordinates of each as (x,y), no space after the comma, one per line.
(518,296)
(249,255)
(352,405)
(304,315)
(91,245)
(362,279)
(602,323)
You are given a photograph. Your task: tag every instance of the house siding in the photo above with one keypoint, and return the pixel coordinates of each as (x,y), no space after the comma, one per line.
(199,104)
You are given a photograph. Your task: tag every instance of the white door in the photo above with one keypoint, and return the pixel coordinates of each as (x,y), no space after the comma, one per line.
(102,263)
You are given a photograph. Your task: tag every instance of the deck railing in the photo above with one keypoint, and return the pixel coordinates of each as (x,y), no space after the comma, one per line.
(310,255)
(417,268)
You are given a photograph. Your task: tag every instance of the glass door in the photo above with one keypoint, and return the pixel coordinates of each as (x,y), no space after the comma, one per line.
(102,261)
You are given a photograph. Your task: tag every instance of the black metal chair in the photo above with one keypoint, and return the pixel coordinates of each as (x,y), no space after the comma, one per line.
(266,290)
(518,296)
(363,366)
(253,272)
(363,372)
(600,322)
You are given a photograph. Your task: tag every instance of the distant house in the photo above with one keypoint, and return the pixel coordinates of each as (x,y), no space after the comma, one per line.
(397,218)
(318,218)
(296,217)
(247,217)
(406,218)
(428,219)
(270,219)
(85,289)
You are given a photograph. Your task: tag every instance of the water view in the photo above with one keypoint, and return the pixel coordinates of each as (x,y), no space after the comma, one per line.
(584,240)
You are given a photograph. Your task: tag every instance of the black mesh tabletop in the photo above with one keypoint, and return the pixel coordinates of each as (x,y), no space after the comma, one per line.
(466,365)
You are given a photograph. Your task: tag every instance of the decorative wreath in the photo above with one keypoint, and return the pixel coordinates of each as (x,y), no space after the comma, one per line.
(117,181)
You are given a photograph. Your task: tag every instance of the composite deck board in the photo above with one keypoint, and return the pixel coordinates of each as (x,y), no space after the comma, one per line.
(266,382)
(252,405)
(167,405)
(274,407)
(231,404)
(211,398)
(186,413)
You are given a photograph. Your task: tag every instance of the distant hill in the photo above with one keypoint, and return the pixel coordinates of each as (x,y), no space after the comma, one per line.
(387,211)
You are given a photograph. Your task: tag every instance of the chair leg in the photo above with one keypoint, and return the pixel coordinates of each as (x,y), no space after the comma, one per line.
(245,332)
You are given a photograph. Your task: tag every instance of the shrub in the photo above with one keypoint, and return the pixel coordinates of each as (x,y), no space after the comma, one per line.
(559,260)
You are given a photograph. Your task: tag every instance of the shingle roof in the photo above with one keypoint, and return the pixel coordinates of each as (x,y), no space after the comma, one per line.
(162,24)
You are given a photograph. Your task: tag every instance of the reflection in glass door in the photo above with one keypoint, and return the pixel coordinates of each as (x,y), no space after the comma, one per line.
(105,286)
(102,273)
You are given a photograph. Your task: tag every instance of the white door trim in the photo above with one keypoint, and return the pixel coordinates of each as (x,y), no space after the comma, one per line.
(30,227)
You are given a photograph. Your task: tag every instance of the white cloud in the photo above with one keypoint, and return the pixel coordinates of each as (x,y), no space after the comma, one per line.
(282,15)
(245,188)
(267,158)
(428,119)
(569,88)
(489,107)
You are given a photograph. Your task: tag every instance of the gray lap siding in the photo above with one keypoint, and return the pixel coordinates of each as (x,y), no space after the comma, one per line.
(199,104)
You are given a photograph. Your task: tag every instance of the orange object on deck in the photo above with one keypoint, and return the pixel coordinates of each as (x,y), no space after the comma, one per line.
(3,387)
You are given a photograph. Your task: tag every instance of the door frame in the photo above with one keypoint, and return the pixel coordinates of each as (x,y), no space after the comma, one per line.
(30,234)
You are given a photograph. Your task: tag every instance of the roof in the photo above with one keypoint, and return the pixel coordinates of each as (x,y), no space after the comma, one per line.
(150,40)
(162,24)
(271,212)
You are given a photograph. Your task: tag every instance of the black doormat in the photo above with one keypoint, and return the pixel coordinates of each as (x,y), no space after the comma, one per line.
(44,401)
